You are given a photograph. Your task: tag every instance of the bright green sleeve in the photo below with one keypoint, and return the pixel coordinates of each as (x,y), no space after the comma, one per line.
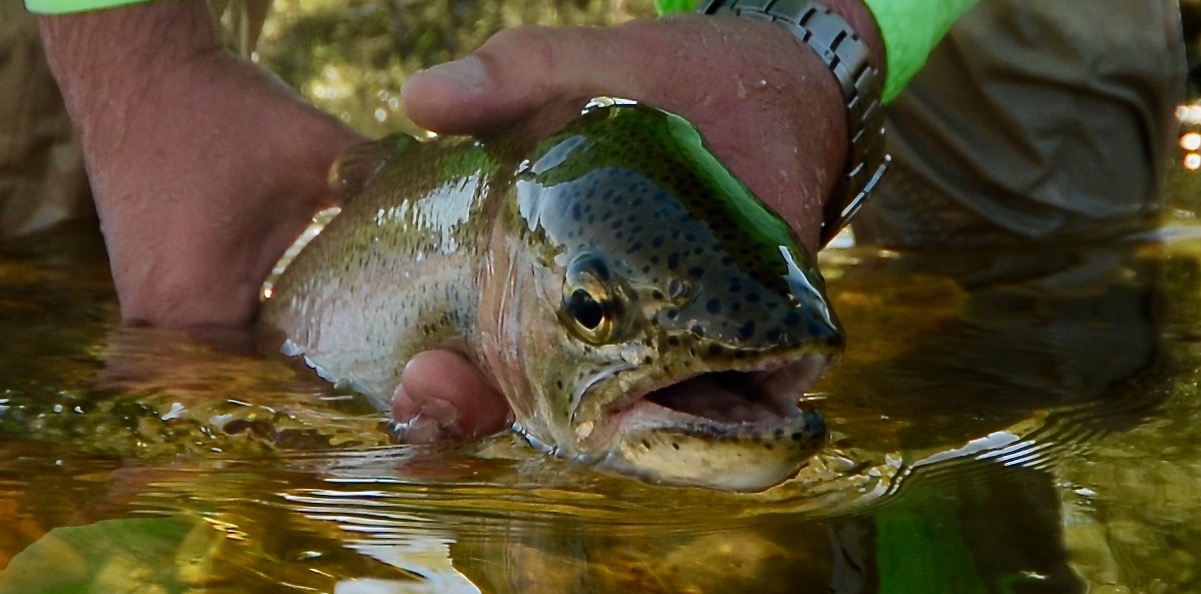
(910,29)
(69,6)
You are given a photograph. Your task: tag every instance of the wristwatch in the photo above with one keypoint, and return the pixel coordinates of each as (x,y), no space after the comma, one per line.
(847,56)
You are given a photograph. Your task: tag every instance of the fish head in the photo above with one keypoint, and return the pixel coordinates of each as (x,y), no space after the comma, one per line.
(677,322)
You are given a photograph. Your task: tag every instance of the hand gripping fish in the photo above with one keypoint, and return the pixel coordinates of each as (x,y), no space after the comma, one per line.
(636,305)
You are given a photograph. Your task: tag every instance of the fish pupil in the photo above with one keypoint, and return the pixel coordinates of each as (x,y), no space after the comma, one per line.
(585,309)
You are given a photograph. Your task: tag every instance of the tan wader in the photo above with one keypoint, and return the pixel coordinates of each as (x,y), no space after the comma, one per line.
(1033,121)
(42,180)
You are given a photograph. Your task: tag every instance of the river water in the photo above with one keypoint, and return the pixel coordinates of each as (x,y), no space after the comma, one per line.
(1001,422)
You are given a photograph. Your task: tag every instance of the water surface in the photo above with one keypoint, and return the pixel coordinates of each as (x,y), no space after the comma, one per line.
(1002,422)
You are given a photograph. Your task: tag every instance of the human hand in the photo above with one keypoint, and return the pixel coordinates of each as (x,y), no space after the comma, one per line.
(204,167)
(766,104)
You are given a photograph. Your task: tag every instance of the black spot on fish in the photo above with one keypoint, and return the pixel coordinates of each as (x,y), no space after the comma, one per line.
(672,313)
(673,341)
(772,335)
(657,241)
(713,306)
(715,350)
(696,272)
(792,318)
(797,436)
(673,261)
(697,331)
(752,297)
(746,331)
(675,446)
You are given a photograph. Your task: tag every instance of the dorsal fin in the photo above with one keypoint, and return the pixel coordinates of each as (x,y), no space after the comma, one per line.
(355,168)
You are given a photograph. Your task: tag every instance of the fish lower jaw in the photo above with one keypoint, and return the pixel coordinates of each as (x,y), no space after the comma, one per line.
(730,430)
(672,448)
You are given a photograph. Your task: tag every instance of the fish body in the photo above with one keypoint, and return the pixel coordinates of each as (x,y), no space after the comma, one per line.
(636,305)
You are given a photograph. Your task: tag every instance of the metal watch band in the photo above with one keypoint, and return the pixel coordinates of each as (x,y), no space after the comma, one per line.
(849,59)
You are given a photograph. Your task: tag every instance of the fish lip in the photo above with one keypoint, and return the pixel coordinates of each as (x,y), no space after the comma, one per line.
(811,366)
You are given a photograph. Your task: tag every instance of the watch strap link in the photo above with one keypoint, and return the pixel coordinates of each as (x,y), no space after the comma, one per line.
(848,58)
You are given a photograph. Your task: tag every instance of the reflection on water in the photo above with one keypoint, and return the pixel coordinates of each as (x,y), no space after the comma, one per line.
(1002,422)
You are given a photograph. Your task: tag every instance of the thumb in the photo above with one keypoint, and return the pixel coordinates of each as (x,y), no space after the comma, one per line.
(443,396)
(519,71)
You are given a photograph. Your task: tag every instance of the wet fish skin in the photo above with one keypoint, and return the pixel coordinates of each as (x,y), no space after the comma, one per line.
(613,259)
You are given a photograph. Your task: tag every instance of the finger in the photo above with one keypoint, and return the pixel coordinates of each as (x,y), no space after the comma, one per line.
(519,70)
(443,396)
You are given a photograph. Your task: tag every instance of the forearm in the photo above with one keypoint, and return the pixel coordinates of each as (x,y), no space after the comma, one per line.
(204,167)
(104,60)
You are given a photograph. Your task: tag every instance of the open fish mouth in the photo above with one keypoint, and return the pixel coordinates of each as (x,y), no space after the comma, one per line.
(741,430)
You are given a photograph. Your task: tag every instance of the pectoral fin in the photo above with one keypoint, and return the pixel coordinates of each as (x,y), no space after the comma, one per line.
(356,167)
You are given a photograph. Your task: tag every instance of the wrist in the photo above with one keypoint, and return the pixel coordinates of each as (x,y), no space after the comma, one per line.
(831,39)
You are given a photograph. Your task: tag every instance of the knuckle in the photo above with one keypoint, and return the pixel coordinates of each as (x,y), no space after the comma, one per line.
(531,46)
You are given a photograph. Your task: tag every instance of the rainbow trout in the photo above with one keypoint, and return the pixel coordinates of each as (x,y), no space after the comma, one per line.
(637,306)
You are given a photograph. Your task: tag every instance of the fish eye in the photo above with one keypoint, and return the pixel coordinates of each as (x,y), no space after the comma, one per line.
(585,309)
(590,304)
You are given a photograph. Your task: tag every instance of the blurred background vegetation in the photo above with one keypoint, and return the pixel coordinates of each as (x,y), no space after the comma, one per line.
(350,58)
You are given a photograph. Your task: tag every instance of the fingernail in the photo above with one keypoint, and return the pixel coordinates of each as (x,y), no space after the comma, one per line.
(418,430)
(468,73)
(429,421)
